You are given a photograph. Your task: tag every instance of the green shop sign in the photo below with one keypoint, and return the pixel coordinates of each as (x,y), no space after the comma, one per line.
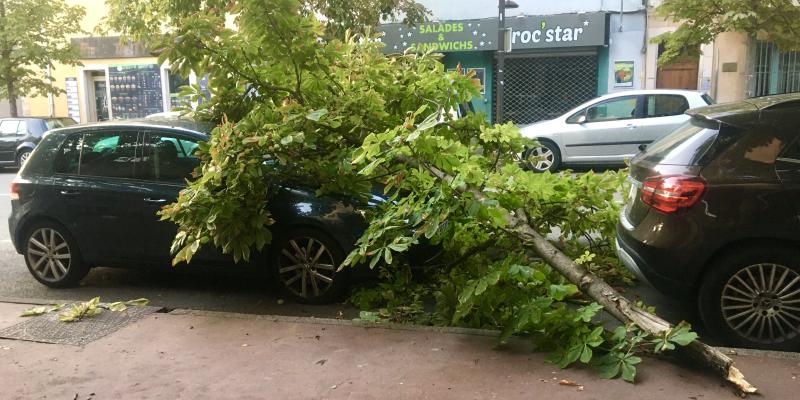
(527,32)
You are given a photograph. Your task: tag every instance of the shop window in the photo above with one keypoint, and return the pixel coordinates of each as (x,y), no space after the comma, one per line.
(175,83)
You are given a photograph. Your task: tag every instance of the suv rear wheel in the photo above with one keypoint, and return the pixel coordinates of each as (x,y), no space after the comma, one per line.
(52,255)
(751,298)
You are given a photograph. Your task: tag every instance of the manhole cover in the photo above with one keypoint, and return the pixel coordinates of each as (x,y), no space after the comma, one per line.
(48,329)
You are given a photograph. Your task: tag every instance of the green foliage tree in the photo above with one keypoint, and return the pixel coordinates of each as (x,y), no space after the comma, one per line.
(144,19)
(702,20)
(294,104)
(34,35)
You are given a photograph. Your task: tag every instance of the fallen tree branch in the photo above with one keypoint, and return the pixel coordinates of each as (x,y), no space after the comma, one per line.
(612,301)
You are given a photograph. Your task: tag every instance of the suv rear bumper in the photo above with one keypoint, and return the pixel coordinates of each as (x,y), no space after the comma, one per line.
(646,268)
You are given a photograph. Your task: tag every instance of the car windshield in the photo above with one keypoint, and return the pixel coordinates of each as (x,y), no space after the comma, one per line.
(684,146)
(54,123)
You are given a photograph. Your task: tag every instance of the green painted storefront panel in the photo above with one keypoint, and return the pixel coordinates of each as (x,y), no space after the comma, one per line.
(483,62)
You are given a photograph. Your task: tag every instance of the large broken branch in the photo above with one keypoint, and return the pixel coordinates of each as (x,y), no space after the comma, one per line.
(601,292)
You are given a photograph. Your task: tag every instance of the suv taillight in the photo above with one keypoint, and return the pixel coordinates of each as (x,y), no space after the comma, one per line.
(672,193)
(14,192)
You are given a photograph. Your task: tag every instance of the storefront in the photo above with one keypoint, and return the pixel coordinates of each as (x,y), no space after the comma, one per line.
(118,81)
(556,61)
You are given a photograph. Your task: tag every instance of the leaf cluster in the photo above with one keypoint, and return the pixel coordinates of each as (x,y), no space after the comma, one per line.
(702,20)
(34,35)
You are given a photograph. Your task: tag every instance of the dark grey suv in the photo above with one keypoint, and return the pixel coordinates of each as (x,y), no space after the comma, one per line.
(713,216)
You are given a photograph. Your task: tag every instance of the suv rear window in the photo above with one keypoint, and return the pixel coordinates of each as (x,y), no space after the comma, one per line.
(685,146)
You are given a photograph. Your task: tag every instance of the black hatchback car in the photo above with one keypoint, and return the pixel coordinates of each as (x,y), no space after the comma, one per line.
(88,196)
(19,136)
(713,215)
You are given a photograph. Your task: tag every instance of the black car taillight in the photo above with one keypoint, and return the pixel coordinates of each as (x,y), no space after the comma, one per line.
(672,193)
(14,192)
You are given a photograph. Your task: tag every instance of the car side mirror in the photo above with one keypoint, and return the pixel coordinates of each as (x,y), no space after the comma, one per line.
(581,120)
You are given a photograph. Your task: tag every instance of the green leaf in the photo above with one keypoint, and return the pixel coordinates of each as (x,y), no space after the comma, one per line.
(317,114)
(34,311)
(140,302)
(368,316)
(560,292)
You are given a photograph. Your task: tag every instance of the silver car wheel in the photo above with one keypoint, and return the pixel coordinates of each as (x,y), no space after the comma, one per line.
(307,267)
(541,158)
(48,254)
(762,303)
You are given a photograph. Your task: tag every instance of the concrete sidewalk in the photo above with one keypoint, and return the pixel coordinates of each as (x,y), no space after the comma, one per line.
(197,355)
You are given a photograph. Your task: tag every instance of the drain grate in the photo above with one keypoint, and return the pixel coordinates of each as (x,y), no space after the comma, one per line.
(48,329)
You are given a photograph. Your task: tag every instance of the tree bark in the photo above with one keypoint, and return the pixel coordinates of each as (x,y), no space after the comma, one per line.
(12,97)
(611,300)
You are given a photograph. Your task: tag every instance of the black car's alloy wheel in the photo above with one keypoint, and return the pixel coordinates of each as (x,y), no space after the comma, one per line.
(761,303)
(751,297)
(52,256)
(305,263)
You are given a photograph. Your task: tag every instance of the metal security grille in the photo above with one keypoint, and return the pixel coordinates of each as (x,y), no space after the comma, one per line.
(539,88)
(773,71)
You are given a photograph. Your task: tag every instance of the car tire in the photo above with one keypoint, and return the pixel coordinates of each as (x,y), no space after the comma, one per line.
(304,264)
(551,157)
(52,255)
(22,157)
(743,298)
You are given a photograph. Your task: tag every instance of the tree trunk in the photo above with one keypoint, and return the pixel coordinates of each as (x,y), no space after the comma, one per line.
(611,300)
(12,98)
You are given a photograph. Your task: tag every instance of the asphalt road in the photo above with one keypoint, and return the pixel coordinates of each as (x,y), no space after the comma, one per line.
(222,289)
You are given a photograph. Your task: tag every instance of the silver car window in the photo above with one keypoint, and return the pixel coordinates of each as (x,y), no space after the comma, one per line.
(612,110)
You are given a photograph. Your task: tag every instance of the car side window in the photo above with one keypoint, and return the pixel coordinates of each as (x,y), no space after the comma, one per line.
(168,157)
(665,105)
(22,128)
(8,127)
(612,110)
(573,119)
(109,154)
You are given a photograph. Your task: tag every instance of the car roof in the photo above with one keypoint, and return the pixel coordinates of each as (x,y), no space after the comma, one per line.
(639,92)
(30,117)
(744,112)
(195,128)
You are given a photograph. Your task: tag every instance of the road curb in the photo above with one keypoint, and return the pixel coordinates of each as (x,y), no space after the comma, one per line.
(784,355)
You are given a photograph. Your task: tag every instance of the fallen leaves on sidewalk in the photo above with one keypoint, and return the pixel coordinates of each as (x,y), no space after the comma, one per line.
(83,309)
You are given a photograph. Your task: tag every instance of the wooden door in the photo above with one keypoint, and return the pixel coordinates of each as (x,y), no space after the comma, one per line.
(682,75)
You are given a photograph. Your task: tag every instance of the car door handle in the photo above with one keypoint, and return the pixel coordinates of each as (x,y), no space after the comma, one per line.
(69,192)
(155,201)
(630,126)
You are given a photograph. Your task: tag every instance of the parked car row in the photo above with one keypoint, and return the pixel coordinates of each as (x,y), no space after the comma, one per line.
(713,214)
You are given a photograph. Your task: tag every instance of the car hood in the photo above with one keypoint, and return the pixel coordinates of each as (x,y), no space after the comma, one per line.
(541,128)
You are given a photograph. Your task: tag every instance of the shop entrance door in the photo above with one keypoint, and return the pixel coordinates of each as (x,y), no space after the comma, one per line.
(100,95)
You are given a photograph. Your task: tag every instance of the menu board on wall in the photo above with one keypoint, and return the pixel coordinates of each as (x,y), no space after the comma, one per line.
(73,107)
(135,90)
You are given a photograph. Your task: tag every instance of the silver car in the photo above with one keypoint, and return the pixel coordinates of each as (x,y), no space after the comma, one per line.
(609,129)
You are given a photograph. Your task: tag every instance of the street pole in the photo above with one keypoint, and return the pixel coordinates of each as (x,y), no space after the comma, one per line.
(501,27)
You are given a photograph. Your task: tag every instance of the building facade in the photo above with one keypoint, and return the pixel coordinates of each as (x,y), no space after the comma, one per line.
(116,80)
(561,54)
